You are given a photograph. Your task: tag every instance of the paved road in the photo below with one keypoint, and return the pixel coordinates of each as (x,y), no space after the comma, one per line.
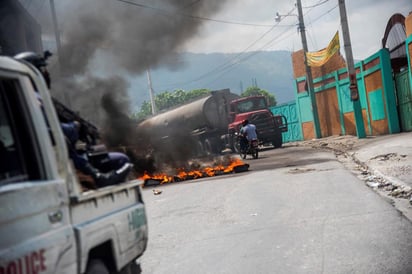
(296,211)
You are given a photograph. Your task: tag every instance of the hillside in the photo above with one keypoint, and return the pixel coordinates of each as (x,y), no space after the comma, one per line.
(270,70)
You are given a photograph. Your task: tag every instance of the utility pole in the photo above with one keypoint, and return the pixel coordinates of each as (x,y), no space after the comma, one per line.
(152,101)
(309,79)
(56,29)
(353,83)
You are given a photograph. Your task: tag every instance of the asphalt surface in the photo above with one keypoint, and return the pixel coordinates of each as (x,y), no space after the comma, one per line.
(297,210)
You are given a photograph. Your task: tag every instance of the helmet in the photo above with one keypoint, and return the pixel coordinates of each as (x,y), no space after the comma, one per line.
(245,122)
(38,61)
(35,59)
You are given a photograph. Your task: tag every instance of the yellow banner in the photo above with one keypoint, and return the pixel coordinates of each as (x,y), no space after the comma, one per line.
(319,58)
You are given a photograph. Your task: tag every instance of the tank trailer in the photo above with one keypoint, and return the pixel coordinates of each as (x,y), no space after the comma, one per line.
(208,125)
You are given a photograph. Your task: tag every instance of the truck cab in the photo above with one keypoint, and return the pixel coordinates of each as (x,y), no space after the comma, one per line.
(269,127)
(48,223)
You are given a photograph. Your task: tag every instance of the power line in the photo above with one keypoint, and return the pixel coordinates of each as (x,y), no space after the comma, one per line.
(248,57)
(166,12)
(323,14)
(229,64)
(223,65)
(316,5)
(226,68)
(191,4)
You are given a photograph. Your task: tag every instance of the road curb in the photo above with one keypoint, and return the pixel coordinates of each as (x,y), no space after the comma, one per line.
(387,187)
(380,183)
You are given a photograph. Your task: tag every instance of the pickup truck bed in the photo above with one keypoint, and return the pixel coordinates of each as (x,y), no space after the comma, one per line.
(47,223)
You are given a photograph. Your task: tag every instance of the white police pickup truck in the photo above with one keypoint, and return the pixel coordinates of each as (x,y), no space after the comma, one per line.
(47,223)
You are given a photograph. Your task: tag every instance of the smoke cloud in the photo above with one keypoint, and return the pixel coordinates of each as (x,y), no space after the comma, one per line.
(131,37)
(103,41)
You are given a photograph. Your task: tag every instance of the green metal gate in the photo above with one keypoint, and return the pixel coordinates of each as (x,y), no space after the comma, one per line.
(289,110)
(404,95)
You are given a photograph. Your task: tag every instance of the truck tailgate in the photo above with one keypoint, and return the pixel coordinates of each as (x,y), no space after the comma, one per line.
(113,215)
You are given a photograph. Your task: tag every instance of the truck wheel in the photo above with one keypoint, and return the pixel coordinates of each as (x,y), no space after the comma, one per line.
(96,266)
(131,268)
(236,146)
(200,151)
(135,268)
(208,147)
(278,141)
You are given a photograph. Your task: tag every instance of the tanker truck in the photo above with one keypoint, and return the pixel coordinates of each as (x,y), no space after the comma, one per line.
(208,125)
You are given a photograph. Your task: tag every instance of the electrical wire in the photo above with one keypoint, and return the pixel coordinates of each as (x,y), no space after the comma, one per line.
(275,39)
(191,4)
(316,5)
(227,68)
(229,63)
(323,14)
(173,13)
(328,11)
(232,66)
(240,57)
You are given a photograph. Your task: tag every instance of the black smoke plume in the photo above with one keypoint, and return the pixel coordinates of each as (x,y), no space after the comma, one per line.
(103,41)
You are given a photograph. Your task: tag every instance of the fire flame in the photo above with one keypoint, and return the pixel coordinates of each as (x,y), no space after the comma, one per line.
(182,175)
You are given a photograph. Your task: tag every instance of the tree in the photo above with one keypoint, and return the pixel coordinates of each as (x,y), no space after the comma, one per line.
(167,99)
(250,91)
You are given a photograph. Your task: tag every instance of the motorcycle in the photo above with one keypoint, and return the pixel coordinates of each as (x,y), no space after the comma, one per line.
(245,147)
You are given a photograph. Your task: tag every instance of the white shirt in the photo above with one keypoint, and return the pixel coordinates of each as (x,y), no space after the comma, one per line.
(250,130)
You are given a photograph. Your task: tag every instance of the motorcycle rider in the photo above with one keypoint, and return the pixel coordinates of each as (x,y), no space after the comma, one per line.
(248,131)
(116,166)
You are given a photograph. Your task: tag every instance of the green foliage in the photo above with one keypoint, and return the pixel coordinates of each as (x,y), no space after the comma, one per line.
(250,91)
(167,100)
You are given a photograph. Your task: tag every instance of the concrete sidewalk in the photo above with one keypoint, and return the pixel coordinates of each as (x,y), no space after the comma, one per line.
(385,163)
(389,156)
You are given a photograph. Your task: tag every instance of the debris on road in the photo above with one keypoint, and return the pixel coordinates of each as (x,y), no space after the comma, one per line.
(157,191)
(300,170)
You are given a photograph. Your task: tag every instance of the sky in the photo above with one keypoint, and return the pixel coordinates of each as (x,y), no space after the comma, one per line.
(367,20)
(226,26)
(121,39)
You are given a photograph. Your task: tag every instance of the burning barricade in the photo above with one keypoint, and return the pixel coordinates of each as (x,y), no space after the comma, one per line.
(226,165)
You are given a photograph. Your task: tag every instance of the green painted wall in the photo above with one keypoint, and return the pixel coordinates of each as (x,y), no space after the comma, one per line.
(381,101)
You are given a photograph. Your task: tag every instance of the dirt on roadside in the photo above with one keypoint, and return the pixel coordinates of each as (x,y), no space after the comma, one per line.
(385,173)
